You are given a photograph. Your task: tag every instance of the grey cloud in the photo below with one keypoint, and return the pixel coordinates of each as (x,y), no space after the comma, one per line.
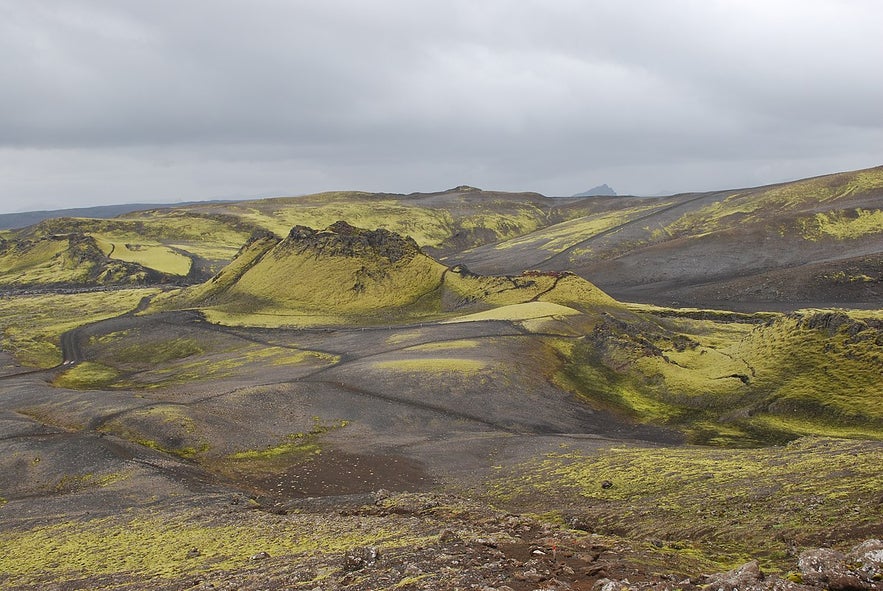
(407,95)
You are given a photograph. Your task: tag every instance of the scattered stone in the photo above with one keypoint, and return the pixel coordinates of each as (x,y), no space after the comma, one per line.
(361,558)
(607,484)
(412,570)
(746,576)
(448,536)
(828,568)
(869,555)
(609,585)
(193,553)
(260,556)
(380,496)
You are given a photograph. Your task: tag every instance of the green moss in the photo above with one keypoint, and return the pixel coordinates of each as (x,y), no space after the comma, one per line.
(154,353)
(842,225)
(153,256)
(32,325)
(733,382)
(756,206)
(157,546)
(433,365)
(78,482)
(167,428)
(731,504)
(87,376)
(295,444)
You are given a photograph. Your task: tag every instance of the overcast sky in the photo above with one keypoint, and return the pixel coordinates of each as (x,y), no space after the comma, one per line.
(121,101)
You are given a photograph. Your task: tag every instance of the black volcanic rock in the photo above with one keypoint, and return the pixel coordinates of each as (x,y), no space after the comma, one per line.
(342,239)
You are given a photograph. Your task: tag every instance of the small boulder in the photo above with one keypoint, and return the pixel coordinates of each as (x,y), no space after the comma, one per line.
(747,576)
(868,558)
(361,558)
(824,567)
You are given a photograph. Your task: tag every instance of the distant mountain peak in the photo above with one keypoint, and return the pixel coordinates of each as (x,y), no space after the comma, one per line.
(600,190)
(464,189)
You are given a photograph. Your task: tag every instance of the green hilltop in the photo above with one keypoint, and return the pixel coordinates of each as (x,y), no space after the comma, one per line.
(344,274)
(805,243)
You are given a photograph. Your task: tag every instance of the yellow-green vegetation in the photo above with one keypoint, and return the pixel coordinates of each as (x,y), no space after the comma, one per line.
(467,290)
(294,449)
(571,232)
(61,260)
(446,345)
(405,336)
(736,383)
(220,364)
(726,504)
(480,218)
(842,225)
(295,444)
(250,253)
(154,256)
(130,352)
(519,312)
(150,545)
(173,430)
(756,205)
(203,235)
(78,482)
(32,325)
(341,272)
(144,247)
(433,365)
(87,376)
(428,226)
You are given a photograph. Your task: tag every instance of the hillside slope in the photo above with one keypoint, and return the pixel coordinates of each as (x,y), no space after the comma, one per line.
(344,274)
(813,241)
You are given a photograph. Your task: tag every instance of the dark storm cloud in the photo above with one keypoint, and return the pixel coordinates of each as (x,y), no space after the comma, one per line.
(121,100)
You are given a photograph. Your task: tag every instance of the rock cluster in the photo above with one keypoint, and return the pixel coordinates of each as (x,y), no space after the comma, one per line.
(861,569)
(342,239)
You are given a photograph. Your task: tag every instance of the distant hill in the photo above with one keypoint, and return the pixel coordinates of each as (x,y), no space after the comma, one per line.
(812,242)
(9,221)
(599,191)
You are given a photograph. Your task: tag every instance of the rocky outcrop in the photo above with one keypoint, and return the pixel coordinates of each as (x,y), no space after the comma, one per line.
(343,240)
(860,569)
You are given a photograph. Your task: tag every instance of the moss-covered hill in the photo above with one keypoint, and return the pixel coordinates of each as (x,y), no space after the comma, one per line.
(808,241)
(720,378)
(191,243)
(64,260)
(736,379)
(348,275)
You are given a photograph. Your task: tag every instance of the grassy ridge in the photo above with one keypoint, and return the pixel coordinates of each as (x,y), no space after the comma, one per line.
(760,205)
(815,372)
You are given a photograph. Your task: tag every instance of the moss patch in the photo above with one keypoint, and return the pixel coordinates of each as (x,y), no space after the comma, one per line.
(153,546)
(32,325)
(726,504)
(87,376)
